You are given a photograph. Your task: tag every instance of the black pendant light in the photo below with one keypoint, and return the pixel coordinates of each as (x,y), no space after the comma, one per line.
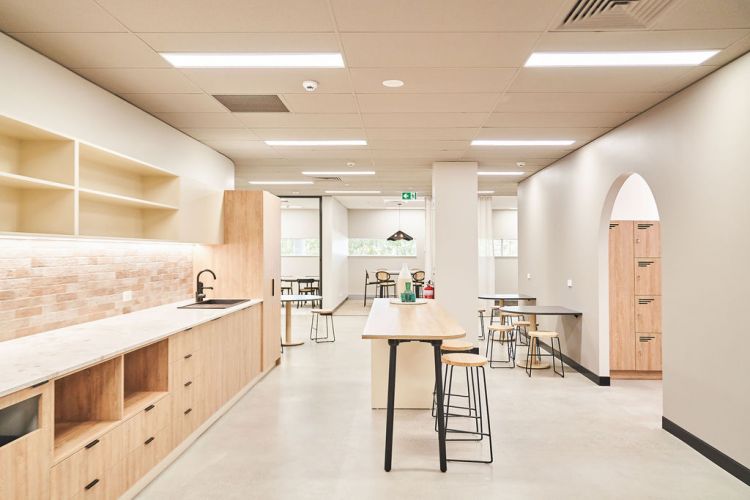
(399,235)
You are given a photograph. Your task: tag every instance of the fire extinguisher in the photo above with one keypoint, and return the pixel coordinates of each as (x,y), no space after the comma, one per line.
(429,291)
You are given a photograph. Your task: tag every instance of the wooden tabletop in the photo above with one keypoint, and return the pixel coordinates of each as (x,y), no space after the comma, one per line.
(541,310)
(506,296)
(410,322)
(294,298)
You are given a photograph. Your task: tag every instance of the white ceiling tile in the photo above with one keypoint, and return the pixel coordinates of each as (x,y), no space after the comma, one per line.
(388,120)
(34,16)
(370,80)
(737,49)
(444,15)
(435,133)
(242,42)
(637,40)
(435,50)
(140,80)
(426,103)
(175,103)
(320,103)
(268,81)
(309,133)
(224,16)
(200,120)
(577,134)
(703,14)
(555,102)
(300,120)
(221,134)
(406,154)
(94,50)
(348,153)
(557,119)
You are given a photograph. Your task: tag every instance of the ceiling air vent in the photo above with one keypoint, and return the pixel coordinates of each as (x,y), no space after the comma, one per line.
(328,178)
(252,103)
(606,15)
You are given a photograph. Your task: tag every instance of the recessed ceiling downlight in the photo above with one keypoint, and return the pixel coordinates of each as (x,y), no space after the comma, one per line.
(394,84)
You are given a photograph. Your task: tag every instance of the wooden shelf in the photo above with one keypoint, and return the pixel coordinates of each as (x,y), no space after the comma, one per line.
(139,400)
(126,201)
(25,182)
(72,436)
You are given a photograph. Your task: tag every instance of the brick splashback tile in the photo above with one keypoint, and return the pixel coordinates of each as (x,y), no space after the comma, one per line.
(51,284)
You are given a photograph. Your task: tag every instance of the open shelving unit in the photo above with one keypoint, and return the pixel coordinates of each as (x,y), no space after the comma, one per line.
(87,403)
(146,378)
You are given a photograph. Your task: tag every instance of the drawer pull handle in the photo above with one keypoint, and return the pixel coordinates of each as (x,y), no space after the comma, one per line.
(91,484)
(149,408)
(188,383)
(149,440)
(92,444)
(188,411)
(188,356)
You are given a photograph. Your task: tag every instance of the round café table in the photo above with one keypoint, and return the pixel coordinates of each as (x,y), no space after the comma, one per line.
(288,300)
(531,312)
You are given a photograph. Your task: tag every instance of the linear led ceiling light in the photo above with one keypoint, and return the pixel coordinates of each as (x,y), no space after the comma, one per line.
(253,60)
(485,192)
(356,142)
(279,183)
(514,142)
(340,172)
(584,59)
(499,173)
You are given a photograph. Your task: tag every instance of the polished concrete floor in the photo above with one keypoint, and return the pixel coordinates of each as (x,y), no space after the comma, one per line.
(306,432)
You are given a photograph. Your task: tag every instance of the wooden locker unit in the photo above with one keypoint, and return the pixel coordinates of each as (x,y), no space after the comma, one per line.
(621,296)
(635,299)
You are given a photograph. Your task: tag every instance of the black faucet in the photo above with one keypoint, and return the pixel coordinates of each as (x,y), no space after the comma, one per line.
(199,288)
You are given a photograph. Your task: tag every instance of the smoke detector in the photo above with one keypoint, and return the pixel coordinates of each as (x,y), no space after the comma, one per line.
(310,85)
(350,164)
(520,164)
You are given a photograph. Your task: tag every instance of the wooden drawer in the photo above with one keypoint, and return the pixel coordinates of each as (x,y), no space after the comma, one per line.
(89,465)
(648,314)
(143,458)
(186,369)
(147,423)
(183,344)
(187,412)
(109,486)
(647,276)
(648,351)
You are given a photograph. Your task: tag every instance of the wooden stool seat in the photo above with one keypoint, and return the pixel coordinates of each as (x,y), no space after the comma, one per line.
(500,328)
(509,315)
(463,359)
(456,345)
(323,312)
(522,323)
(543,334)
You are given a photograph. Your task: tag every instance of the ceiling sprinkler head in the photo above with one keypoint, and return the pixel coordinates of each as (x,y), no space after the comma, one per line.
(310,85)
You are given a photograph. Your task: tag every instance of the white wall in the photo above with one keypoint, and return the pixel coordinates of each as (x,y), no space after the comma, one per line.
(381,224)
(693,151)
(335,248)
(505,226)
(635,201)
(300,224)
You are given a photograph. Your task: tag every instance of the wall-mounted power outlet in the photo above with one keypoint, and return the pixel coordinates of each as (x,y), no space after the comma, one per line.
(570,283)
(127,296)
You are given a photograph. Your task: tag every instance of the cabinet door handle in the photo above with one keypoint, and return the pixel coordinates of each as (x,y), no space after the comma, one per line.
(188,383)
(149,408)
(92,444)
(187,411)
(91,484)
(188,356)
(273,287)
(149,440)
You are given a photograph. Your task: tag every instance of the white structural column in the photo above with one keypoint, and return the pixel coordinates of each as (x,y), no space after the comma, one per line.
(454,192)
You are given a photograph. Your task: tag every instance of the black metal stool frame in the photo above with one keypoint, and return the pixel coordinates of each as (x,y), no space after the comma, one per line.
(529,356)
(489,350)
(321,340)
(480,421)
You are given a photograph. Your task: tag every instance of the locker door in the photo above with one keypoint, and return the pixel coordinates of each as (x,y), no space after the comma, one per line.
(648,276)
(648,314)
(648,352)
(647,239)
(621,296)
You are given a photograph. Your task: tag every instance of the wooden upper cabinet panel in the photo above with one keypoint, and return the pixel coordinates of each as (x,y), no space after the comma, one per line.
(648,352)
(647,237)
(621,296)
(648,276)
(648,314)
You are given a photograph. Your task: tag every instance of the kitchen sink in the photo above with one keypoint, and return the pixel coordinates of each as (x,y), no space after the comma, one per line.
(214,304)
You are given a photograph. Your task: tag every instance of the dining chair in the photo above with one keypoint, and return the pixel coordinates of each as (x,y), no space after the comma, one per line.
(418,282)
(368,283)
(385,284)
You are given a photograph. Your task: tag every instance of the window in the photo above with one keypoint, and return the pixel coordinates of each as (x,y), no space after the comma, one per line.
(300,247)
(371,247)
(505,248)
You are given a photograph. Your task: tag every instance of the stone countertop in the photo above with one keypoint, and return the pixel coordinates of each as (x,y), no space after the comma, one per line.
(27,361)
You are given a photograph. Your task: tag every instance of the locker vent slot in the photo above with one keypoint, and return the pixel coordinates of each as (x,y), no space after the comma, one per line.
(645,339)
(645,226)
(645,263)
(645,301)
(612,226)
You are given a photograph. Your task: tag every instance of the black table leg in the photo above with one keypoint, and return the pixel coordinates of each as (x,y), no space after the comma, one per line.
(439,403)
(393,344)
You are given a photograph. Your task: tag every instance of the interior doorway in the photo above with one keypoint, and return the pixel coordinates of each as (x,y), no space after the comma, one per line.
(634,262)
(301,238)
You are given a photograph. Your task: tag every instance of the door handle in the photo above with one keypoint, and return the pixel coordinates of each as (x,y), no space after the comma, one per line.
(273,287)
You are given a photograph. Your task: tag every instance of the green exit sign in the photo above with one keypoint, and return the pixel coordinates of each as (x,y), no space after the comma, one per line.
(410,195)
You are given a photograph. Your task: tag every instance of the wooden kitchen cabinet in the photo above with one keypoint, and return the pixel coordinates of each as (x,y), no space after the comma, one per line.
(648,352)
(621,296)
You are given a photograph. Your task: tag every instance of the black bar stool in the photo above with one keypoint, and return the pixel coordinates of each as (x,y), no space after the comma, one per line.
(449,346)
(315,321)
(534,346)
(473,364)
(481,323)
(505,335)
